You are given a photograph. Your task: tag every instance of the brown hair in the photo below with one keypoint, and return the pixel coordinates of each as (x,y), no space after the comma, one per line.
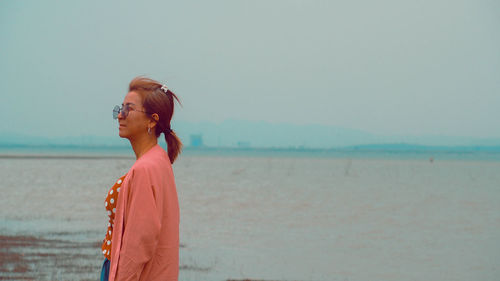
(156,100)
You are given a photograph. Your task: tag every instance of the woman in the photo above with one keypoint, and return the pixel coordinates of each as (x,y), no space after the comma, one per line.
(142,241)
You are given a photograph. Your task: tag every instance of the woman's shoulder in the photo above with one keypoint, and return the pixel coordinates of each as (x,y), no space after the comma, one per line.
(153,159)
(141,166)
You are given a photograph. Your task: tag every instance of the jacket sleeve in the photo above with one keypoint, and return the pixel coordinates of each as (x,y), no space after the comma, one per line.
(142,225)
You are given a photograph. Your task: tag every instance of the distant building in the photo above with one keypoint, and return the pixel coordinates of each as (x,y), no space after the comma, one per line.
(196,140)
(243,144)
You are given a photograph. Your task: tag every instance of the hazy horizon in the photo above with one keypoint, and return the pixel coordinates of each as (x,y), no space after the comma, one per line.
(240,133)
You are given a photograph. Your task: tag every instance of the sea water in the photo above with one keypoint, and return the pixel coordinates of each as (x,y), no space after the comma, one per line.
(266,217)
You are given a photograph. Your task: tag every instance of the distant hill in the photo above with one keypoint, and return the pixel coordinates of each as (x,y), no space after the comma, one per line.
(231,133)
(15,139)
(252,134)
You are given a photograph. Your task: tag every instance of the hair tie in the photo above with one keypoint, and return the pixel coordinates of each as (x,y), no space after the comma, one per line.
(164,88)
(167,131)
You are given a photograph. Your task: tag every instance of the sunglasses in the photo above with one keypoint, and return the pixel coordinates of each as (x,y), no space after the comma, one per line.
(125,109)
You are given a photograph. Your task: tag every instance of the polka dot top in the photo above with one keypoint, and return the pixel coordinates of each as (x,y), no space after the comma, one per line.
(110,205)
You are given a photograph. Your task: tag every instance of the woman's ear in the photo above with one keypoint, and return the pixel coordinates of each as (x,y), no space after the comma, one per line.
(155,120)
(155,117)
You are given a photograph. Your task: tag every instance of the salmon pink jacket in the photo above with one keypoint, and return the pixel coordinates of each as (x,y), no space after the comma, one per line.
(145,242)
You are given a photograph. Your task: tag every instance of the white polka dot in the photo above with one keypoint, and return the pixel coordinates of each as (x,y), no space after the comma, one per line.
(113,225)
(109,242)
(112,201)
(108,252)
(118,189)
(119,181)
(104,251)
(114,210)
(106,203)
(109,213)
(109,224)
(111,191)
(109,232)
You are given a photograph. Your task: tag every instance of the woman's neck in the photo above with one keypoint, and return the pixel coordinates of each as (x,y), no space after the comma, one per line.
(142,145)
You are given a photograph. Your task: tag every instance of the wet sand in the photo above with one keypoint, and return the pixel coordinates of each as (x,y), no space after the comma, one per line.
(35,258)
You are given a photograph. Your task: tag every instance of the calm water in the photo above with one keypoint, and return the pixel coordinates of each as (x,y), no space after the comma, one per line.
(278,218)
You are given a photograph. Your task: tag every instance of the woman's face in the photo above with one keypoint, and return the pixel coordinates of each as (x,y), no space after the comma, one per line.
(136,122)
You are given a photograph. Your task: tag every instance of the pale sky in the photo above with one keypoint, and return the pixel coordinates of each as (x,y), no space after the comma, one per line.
(386,67)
